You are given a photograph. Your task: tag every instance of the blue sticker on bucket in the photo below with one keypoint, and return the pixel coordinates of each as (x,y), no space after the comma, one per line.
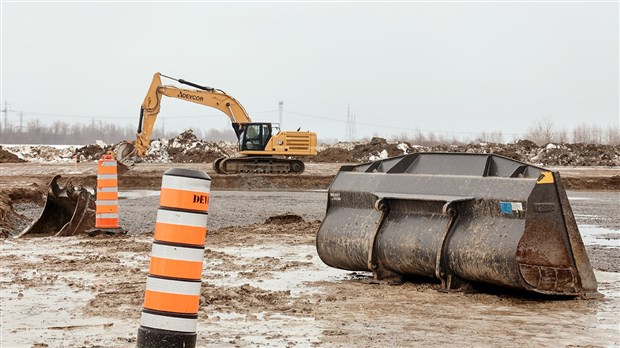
(505,207)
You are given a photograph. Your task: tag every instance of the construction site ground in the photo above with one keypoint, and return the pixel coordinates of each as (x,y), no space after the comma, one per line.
(263,283)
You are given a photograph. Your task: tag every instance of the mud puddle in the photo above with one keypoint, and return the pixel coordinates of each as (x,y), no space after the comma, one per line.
(137,194)
(592,235)
(265,329)
(51,315)
(46,285)
(293,267)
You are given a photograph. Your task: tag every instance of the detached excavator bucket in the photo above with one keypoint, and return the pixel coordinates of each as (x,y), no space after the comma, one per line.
(457,217)
(68,210)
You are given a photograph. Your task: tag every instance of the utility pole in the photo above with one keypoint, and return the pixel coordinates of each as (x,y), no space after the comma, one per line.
(3,128)
(5,111)
(281,111)
(347,131)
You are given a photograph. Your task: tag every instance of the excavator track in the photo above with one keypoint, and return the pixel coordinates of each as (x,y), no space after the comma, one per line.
(257,165)
(216,164)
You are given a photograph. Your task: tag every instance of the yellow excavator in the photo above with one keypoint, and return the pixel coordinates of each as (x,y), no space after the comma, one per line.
(263,147)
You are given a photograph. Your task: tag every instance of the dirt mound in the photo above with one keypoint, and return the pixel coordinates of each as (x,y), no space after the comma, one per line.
(378,148)
(92,152)
(284,219)
(7,157)
(333,155)
(193,155)
(580,155)
(522,150)
(186,148)
(526,143)
(42,153)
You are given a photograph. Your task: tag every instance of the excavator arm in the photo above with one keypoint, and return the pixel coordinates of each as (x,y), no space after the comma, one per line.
(151,105)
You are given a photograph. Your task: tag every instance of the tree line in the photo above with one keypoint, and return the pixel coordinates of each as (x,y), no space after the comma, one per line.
(541,132)
(63,133)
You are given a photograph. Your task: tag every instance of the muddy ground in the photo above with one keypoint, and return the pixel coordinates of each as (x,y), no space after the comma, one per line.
(264,285)
(28,182)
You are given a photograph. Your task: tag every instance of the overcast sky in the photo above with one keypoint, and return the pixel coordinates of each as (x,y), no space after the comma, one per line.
(451,68)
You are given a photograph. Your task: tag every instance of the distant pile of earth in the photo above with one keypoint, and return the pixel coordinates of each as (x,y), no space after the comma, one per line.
(187,148)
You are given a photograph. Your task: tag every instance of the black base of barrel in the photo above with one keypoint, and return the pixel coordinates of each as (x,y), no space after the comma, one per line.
(155,338)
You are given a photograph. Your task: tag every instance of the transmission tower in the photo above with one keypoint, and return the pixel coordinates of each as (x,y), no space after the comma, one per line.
(354,128)
(351,132)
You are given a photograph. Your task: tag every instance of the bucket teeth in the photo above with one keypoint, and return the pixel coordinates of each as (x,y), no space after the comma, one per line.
(68,210)
(460,218)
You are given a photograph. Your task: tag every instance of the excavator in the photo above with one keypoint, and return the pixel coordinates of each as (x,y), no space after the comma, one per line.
(263,147)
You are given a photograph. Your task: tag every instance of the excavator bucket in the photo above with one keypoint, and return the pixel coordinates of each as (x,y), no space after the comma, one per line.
(461,218)
(124,152)
(68,210)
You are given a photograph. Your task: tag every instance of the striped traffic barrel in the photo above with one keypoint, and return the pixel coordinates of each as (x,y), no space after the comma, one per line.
(107,194)
(170,312)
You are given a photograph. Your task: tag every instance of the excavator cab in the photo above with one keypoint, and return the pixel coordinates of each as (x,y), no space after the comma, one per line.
(254,136)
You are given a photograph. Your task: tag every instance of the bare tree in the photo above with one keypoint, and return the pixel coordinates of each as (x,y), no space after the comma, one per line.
(580,134)
(613,135)
(595,134)
(490,137)
(562,136)
(418,138)
(226,134)
(400,137)
(542,131)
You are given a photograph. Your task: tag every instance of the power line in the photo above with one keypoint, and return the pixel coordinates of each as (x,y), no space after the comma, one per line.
(76,116)
(387,126)
(86,116)
(347,122)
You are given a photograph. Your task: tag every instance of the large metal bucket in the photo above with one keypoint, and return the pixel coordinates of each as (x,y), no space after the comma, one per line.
(68,210)
(458,217)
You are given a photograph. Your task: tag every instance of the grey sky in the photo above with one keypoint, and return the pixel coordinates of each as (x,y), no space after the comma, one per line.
(453,68)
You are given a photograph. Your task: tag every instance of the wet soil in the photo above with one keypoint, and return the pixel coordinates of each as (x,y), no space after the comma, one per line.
(264,284)
(29,181)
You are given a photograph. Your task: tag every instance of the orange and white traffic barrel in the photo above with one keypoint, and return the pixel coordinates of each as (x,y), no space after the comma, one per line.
(106,215)
(170,312)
